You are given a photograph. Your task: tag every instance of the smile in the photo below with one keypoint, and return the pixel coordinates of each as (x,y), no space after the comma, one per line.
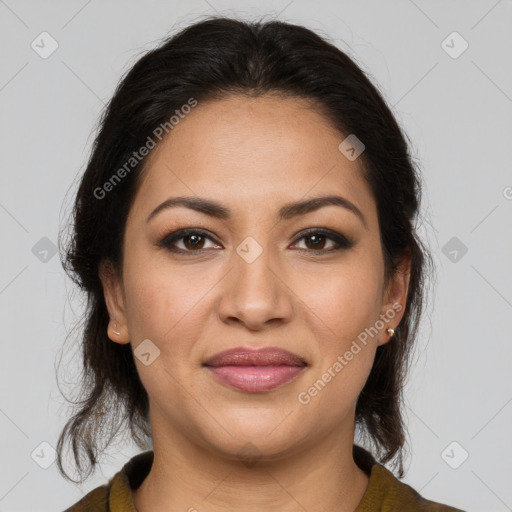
(254,379)
(255,371)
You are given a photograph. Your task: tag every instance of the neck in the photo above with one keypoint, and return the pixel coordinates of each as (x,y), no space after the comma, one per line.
(185,476)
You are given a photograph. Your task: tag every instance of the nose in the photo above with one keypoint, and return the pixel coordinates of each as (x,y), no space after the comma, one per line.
(255,292)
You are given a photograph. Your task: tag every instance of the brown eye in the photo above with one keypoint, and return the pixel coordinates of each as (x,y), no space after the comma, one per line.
(315,242)
(323,241)
(191,240)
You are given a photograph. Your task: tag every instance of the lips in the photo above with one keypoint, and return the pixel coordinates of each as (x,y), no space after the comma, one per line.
(255,370)
(261,357)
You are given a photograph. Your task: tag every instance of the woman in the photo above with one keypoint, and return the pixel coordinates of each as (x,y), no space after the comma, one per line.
(244,232)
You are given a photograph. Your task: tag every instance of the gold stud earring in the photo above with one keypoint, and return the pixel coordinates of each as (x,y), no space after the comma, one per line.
(391,332)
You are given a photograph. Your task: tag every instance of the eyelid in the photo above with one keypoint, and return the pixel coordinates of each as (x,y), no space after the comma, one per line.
(182,233)
(330,233)
(342,241)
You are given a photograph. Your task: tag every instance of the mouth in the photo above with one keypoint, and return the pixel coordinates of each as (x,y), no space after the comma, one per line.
(255,371)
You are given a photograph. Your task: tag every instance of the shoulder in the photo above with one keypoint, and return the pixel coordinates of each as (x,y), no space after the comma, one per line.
(94,501)
(386,493)
(117,493)
(392,495)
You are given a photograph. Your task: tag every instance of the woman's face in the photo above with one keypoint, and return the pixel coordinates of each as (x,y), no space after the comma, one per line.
(253,278)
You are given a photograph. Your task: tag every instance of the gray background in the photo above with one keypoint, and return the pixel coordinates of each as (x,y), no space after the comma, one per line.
(457,113)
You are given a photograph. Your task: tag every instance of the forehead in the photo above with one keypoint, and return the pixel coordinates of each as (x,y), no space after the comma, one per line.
(245,151)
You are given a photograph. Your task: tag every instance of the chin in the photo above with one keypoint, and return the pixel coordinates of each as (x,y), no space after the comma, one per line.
(251,449)
(254,433)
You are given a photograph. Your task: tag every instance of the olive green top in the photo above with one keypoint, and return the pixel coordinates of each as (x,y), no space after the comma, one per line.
(385,493)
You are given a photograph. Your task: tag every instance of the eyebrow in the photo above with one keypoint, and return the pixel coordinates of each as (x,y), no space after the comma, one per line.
(286,212)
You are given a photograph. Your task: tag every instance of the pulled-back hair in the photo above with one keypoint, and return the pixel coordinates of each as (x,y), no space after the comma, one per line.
(213,59)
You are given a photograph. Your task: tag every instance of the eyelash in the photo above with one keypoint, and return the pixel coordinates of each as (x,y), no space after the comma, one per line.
(342,242)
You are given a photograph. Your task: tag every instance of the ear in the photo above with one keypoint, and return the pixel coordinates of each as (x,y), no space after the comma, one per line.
(114,298)
(394,299)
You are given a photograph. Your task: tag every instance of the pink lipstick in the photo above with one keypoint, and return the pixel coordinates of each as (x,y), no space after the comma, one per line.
(255,371)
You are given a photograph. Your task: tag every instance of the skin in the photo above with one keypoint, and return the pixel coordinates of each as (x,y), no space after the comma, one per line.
(253,155)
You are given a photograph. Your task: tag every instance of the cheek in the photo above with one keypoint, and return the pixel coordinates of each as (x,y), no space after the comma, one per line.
(341,311)
(168,309)
(345,299)
(159,300)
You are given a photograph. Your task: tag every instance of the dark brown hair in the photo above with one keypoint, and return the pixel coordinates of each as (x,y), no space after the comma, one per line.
(212,59)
